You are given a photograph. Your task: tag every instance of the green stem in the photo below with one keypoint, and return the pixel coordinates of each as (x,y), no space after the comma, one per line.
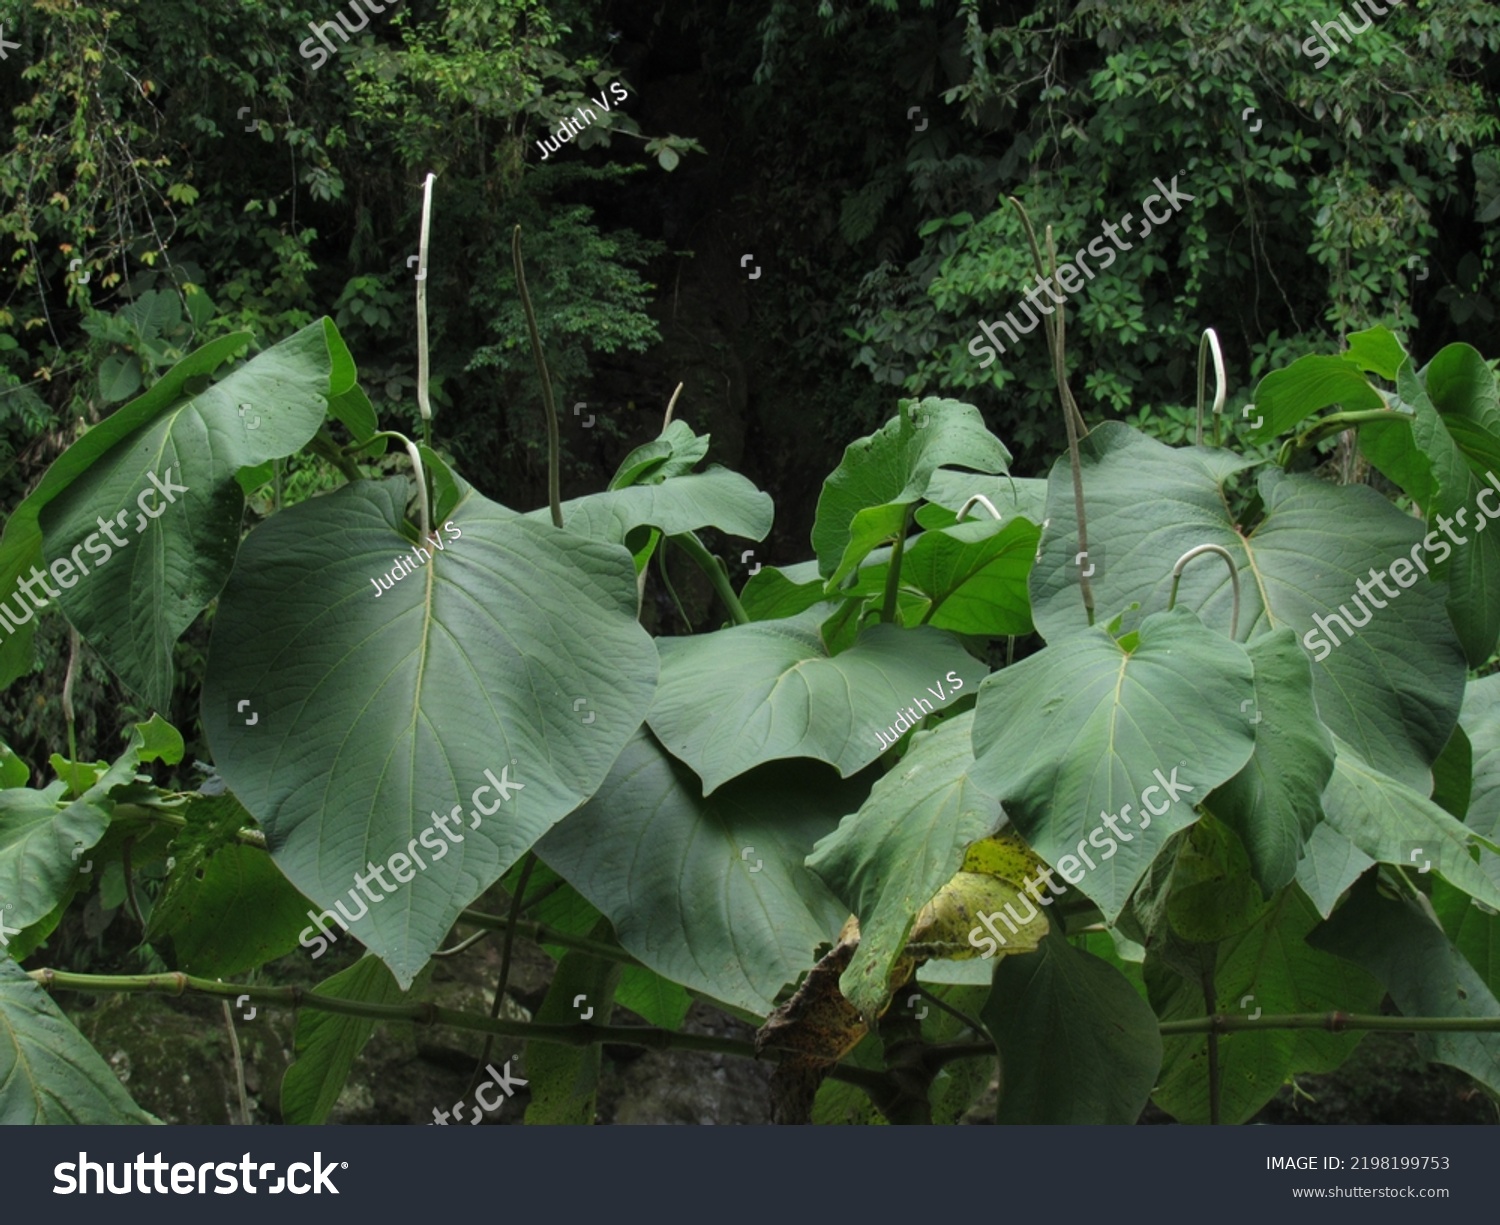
(1333,424)
(1334,1022)
(145,812)
(579,1034)
(689,543)
(507,945)
(893,575)
(325,447)
(554,481)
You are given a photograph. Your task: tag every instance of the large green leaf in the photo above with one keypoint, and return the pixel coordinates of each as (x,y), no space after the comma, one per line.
(48,1072)
(327,1043)
(133,610)
(717,498)
(882,475)
(1077,1043)
(1391,689)
(1270,967)
(1128,719)
(1398,942)
(710,893)
(368,712)
(775,692)
(1274,802)
(887,860)
(21,545)
(1391,823)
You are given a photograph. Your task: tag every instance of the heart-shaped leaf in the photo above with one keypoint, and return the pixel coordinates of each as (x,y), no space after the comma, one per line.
(780,694)
(1077,1043)
(1130,720)
(346,716)
(1391,678)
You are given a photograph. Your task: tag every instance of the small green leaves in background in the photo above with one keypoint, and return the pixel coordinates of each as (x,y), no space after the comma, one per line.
(46,834)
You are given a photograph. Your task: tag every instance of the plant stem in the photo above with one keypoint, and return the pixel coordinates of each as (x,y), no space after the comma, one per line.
(143,812)
(1072,417)
(1334,1022)
(893,575)
(1333,424)
(423,403)
(689,543)
(239,1063)
(510,939)
(554,481)
(573,1034)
